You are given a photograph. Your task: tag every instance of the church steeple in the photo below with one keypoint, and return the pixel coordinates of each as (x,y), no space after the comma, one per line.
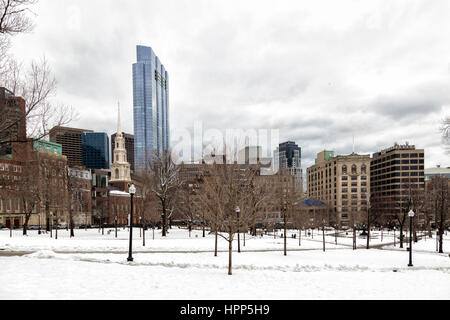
(120,168)
(119,125)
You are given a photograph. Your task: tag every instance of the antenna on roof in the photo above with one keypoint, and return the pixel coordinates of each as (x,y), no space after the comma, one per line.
(353,144)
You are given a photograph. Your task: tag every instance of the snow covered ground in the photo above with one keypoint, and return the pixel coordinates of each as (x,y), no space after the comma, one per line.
(92,266)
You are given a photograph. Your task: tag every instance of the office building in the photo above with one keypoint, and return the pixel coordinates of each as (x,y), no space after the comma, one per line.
(288,156)
(95,146)
(396,174)
(12,121)
(150,107)
(70,139)
(343,183)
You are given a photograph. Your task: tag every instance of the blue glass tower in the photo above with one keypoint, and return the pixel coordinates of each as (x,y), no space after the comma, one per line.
(95,146)
(150,107)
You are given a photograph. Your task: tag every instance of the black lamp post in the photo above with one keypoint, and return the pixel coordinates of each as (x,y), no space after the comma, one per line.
(238,212)
(411,216)
(115,224)
(132,191)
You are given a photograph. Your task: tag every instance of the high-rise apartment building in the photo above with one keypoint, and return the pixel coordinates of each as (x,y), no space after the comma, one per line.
(95,147)
(70,139)
(343,183)
(396,174)
(129,146)
(151,107)
(289,156)
(12,120)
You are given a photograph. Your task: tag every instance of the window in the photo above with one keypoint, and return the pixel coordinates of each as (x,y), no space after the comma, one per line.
(344,169)
(354,169)
(363,169)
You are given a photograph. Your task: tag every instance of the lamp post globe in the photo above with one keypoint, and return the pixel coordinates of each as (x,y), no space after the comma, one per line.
(132,191)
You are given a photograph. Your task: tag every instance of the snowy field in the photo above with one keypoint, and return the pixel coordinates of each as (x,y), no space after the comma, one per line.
(94,266)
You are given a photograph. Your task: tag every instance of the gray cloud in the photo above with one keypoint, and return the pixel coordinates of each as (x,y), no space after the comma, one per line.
(320,72)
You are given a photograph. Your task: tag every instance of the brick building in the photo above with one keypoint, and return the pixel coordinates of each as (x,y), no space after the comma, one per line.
(70,139)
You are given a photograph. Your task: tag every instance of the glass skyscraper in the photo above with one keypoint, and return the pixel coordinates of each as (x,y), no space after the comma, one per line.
(151,107)
(95,146)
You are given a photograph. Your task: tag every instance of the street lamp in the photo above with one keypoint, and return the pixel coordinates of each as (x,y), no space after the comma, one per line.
(140,227)
(411,216)
(115,224)
(132,191)
(238,212)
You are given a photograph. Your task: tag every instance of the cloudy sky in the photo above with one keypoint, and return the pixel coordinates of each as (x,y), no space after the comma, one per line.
(319,71)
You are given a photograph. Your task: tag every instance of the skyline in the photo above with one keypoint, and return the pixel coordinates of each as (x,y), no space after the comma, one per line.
(379,72)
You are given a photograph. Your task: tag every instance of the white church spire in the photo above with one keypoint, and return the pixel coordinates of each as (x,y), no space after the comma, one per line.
(119,125)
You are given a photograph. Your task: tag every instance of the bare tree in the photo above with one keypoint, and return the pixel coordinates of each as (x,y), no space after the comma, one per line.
(163,182)
(35,85)
(259,192)
(14,19)
(438,200)
(25,188)
(14,16)
(226,188)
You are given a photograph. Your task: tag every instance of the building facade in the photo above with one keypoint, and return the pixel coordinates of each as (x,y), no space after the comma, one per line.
(397,174)
(70,140)
(343,183)
(95,146)
(288,156)
(34,182)
(150,107)
(80,198)
(12,120)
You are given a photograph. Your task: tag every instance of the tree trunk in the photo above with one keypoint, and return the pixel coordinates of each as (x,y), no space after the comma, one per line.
(323,236)
(299,237)
(285,239)
(163,219)
(368,238)
(153,232)
(25,224)
(401,236)
(230,253)
(216,243)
